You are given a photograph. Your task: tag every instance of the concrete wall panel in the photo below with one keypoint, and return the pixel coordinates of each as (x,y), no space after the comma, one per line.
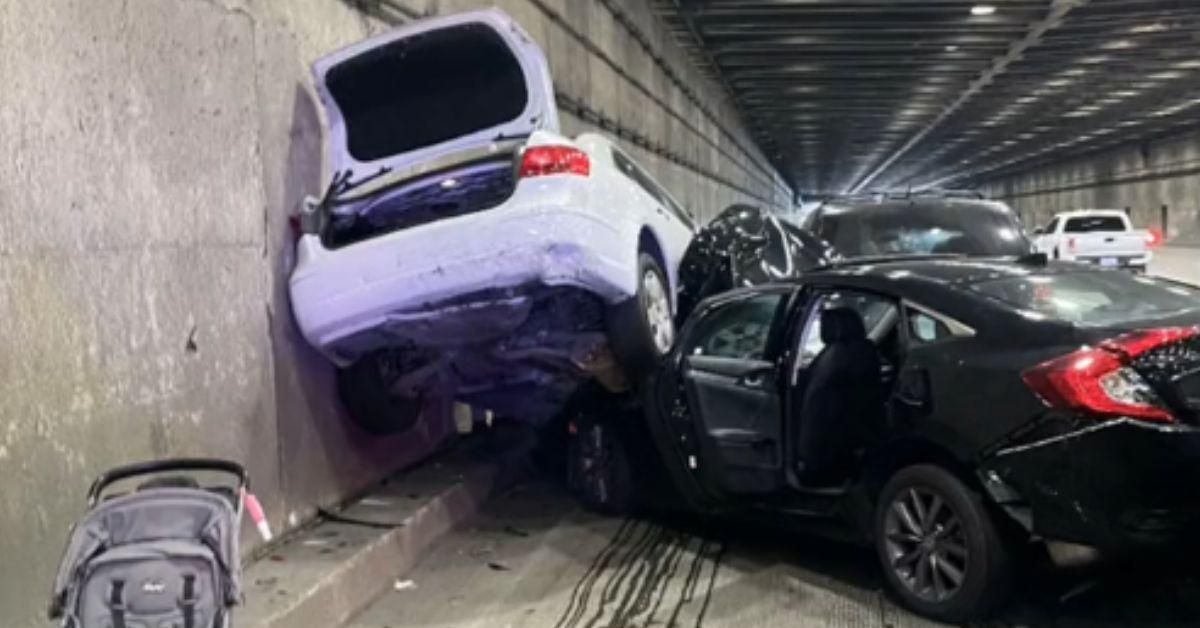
(1142,177)
(153,150)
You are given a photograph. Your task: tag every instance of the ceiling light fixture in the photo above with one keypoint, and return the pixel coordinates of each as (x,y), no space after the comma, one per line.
(983,9)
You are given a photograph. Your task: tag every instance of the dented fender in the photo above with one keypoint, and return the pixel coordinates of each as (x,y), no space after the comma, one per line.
(1113,484)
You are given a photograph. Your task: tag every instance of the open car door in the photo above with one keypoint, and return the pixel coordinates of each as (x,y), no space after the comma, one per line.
(730,377)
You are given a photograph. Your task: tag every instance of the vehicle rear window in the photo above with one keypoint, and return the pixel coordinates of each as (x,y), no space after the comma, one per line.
(1094,223)
(427,89)
(1094,297)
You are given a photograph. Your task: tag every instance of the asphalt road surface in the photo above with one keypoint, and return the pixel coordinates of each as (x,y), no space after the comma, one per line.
(1178,263)
(535,560)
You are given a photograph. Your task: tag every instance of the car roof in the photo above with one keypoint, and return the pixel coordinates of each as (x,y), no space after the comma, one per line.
(847,205)
(1079,213)
(946,271)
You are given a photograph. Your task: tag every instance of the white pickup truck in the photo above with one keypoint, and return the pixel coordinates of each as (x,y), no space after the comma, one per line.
(1095,236)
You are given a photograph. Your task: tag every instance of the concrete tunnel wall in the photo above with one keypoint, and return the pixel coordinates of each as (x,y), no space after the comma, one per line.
(152,150)
(1143,177)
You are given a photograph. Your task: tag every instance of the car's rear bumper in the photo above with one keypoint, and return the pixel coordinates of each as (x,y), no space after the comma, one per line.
(1115,485)
(337,294)
(1131,262)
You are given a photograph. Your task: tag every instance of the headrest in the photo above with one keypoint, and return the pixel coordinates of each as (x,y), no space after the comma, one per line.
(841,325)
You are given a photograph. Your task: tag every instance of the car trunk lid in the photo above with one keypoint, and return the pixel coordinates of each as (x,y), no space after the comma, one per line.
(433,88)
(1108,243)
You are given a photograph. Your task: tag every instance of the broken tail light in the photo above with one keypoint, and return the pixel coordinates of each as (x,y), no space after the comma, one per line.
(1100,380)
(539,161)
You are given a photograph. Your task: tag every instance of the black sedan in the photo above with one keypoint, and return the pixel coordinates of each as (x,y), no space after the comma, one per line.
(945,410)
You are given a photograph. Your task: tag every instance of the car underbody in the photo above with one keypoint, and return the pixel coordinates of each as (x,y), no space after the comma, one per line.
(497,348)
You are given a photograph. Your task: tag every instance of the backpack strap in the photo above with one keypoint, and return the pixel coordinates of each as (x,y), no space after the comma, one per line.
(188,603)
(116,603)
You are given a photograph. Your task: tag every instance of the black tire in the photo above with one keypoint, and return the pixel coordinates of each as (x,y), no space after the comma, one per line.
(369,402)
(1056,255)
(630,330)
(973,547)
(600,468)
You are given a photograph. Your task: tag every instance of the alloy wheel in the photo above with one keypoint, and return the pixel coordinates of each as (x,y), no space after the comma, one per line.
(926,544)
(658,311)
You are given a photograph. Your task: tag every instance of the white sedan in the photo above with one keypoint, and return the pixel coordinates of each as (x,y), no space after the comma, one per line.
(464,246)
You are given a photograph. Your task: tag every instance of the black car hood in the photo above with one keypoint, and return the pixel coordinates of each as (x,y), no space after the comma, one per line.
(745,246)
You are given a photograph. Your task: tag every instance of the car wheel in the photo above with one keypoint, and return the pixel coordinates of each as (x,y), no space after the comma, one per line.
(1056,255)
(642,328)
(599,468)
(941,553)
(365,391)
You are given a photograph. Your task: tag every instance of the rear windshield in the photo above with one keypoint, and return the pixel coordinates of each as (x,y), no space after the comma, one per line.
(1093,297)
(974,229)
(1094,223)
(427,89)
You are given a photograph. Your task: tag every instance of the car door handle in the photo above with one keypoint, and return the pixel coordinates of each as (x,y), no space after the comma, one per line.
(754,379)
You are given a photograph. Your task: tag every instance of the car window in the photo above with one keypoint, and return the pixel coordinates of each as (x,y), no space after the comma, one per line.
(873,308)
(921,228)
(1053,226)
(634,173)
(1093,297)
(737,330)
(924,329)
(1094,223)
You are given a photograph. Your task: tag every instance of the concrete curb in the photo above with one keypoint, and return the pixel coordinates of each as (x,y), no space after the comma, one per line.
(329,572)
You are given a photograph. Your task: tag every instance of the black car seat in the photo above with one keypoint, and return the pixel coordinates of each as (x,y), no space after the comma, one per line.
(842,398)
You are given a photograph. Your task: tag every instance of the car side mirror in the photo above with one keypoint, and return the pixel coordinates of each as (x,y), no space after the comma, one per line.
(1039,231)
(312,218)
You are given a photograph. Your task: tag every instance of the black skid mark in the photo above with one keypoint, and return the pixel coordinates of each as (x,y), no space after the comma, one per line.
(582,589)
(678,552)
(712,583)
(712,552)
(617,580)
(646,574)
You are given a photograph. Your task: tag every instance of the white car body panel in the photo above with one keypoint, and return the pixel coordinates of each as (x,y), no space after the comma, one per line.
(553,230)
(1125,248)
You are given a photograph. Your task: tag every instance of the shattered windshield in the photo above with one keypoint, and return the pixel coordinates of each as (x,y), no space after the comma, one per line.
(912,228)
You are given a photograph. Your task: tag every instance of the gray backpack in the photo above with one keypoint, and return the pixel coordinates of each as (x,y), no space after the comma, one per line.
(162,556)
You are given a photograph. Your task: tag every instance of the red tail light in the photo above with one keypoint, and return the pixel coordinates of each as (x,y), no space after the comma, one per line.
(1153,238)
(1071,244)
(539,161)
(1099,380)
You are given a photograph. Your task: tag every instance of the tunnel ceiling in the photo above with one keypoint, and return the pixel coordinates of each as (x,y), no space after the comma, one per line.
(856,95)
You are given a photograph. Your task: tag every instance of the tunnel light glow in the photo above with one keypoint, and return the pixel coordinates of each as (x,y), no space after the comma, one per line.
(1155,27)
(1118,44)
(983,9)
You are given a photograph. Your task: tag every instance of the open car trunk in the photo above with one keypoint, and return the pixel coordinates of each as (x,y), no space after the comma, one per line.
(430,89)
